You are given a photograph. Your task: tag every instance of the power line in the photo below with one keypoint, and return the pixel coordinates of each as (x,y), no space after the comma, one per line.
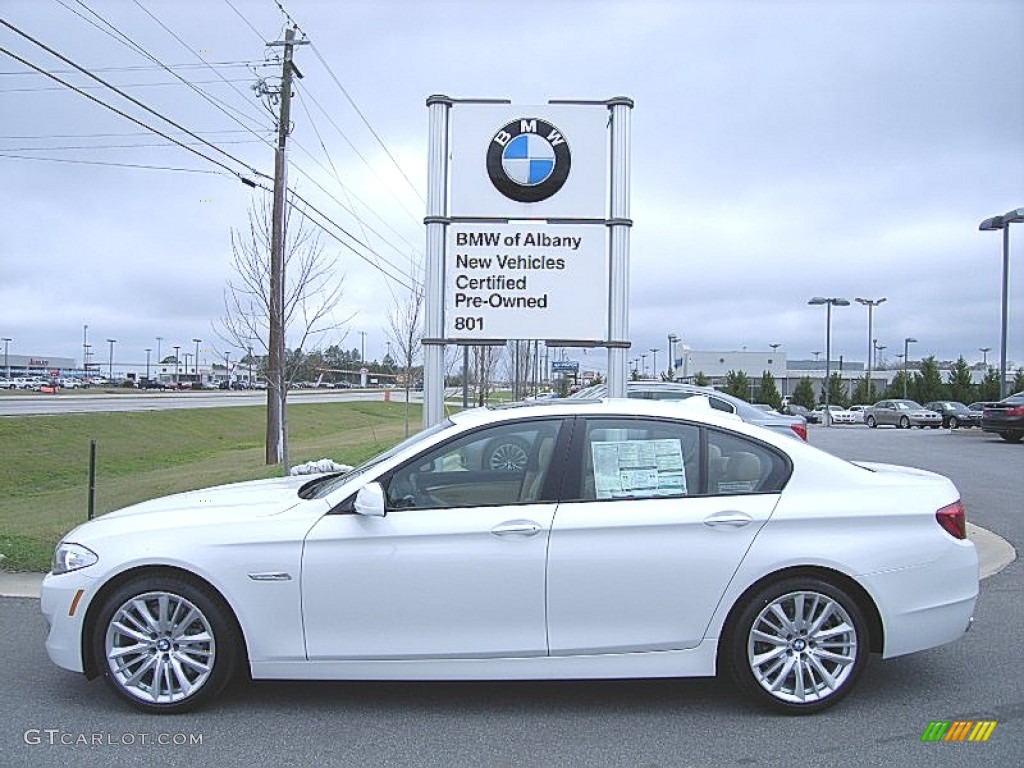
(126,116)
(123,39)
(4,153)
(243,18)
(366,122)
(112,146)
(41,88)
(104,135)
(144,67)
(130,98)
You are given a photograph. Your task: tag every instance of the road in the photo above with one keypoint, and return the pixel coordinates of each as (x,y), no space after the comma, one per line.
(39,404)
(593,724)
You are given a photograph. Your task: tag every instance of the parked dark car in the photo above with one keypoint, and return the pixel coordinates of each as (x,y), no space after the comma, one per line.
(792,409)
(1005,418)
(977,409)
(953,413)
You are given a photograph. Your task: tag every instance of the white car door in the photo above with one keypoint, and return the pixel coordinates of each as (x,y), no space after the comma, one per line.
(640,561)
(456,569)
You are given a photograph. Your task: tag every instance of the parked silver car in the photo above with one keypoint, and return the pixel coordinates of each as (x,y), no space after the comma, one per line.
(791,426)
(903,414)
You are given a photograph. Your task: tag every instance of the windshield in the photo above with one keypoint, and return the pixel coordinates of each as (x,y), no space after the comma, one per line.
(330,484)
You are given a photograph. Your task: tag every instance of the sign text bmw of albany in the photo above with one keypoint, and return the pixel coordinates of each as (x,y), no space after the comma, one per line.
(525,281)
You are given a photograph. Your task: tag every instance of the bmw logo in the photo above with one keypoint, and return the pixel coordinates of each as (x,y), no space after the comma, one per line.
(528,160)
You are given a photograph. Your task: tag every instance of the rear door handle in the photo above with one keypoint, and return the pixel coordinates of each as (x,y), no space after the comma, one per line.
(728,519)
(517,528)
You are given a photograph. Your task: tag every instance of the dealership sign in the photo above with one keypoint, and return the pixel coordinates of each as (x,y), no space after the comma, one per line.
(525,281)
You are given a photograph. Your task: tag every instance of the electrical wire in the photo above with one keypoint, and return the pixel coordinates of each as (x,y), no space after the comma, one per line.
(247,22)
(41,88)
(4,153)
(130,98)
(138,122)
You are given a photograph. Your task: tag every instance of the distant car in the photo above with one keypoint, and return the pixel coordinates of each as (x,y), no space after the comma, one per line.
(1005,418)
(902,414)
(69,382)
(977,410)
(858,412)
(792,409)
(791,426)
(954,414)
(8,384)
(837,414)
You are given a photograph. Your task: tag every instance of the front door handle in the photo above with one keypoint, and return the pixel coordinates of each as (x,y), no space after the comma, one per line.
(728,519)
(517,528)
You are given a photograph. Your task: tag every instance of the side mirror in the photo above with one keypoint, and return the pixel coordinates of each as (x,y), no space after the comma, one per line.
(370,501)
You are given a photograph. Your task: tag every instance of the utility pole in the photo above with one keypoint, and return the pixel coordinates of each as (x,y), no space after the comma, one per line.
(277,391)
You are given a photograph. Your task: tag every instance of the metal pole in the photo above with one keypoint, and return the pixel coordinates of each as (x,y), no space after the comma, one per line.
(92,478)
(439,108)
(828,361)
(618,263)
(1002,338)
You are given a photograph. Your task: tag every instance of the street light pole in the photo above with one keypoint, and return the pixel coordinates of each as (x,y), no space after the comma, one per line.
(654,363)
(198,380)
(672,339)
(906,358)
(870,304)
(829,303)
(148,350)
(176,348)
(110,369)
(7,364)
(1003,222)
(984,355)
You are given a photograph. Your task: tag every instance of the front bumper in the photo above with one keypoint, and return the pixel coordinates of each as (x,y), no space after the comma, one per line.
(64,601)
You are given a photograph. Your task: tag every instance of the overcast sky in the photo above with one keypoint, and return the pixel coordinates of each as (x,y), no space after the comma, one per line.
(780,150)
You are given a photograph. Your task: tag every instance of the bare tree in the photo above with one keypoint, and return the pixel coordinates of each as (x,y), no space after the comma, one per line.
(405,330)
(312,289)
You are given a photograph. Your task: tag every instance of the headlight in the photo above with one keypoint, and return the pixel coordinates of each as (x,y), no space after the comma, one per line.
(71,557)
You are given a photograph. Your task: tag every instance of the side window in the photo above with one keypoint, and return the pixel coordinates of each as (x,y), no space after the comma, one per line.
(721,405)
(639,459)
(737,465)
(504,464)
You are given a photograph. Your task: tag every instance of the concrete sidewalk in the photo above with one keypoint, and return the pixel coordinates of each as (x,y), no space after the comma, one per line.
(994,554)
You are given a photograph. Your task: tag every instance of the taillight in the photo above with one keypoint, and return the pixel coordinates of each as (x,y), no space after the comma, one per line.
(1015,411)
(800,429)
(953,520)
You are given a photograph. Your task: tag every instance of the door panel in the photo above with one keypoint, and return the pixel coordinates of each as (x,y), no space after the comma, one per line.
(427,584)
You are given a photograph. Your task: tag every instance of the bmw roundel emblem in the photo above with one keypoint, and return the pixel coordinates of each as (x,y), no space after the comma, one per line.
(528,160)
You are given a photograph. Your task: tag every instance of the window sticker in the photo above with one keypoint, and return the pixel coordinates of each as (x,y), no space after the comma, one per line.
(631,468)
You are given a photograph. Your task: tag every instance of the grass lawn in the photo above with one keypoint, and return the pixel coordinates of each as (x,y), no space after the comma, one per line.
(44,474)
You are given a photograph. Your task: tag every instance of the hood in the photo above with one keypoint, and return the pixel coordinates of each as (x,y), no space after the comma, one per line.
(222,503)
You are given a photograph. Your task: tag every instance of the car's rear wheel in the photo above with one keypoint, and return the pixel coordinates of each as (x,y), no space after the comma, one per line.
(165,644)
(954,422)
(870,421)
(798,645)
(904,422)
(1012,437)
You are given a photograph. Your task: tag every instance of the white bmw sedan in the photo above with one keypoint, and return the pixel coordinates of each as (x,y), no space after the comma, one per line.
(565,540)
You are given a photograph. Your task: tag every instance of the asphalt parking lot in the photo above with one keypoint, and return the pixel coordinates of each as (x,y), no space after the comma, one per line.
(56,718)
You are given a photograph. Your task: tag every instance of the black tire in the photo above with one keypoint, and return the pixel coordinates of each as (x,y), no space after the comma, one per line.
(904,422)
(776,674)
(870,421)
(506,454)
(954,422)
(1012,437)
(167,663)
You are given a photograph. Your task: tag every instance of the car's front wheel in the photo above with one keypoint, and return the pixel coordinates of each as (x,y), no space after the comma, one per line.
(164,643)
(798,645)
(904,422)
(870,421)
(954,422)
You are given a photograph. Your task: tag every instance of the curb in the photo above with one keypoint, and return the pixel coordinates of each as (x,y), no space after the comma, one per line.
(994,554)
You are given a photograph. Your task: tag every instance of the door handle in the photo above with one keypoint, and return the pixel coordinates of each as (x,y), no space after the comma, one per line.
(728,519)
(517,528)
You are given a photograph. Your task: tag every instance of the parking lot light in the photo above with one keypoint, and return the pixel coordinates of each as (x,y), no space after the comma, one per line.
(1003,222)
(829,303)
(906,358)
